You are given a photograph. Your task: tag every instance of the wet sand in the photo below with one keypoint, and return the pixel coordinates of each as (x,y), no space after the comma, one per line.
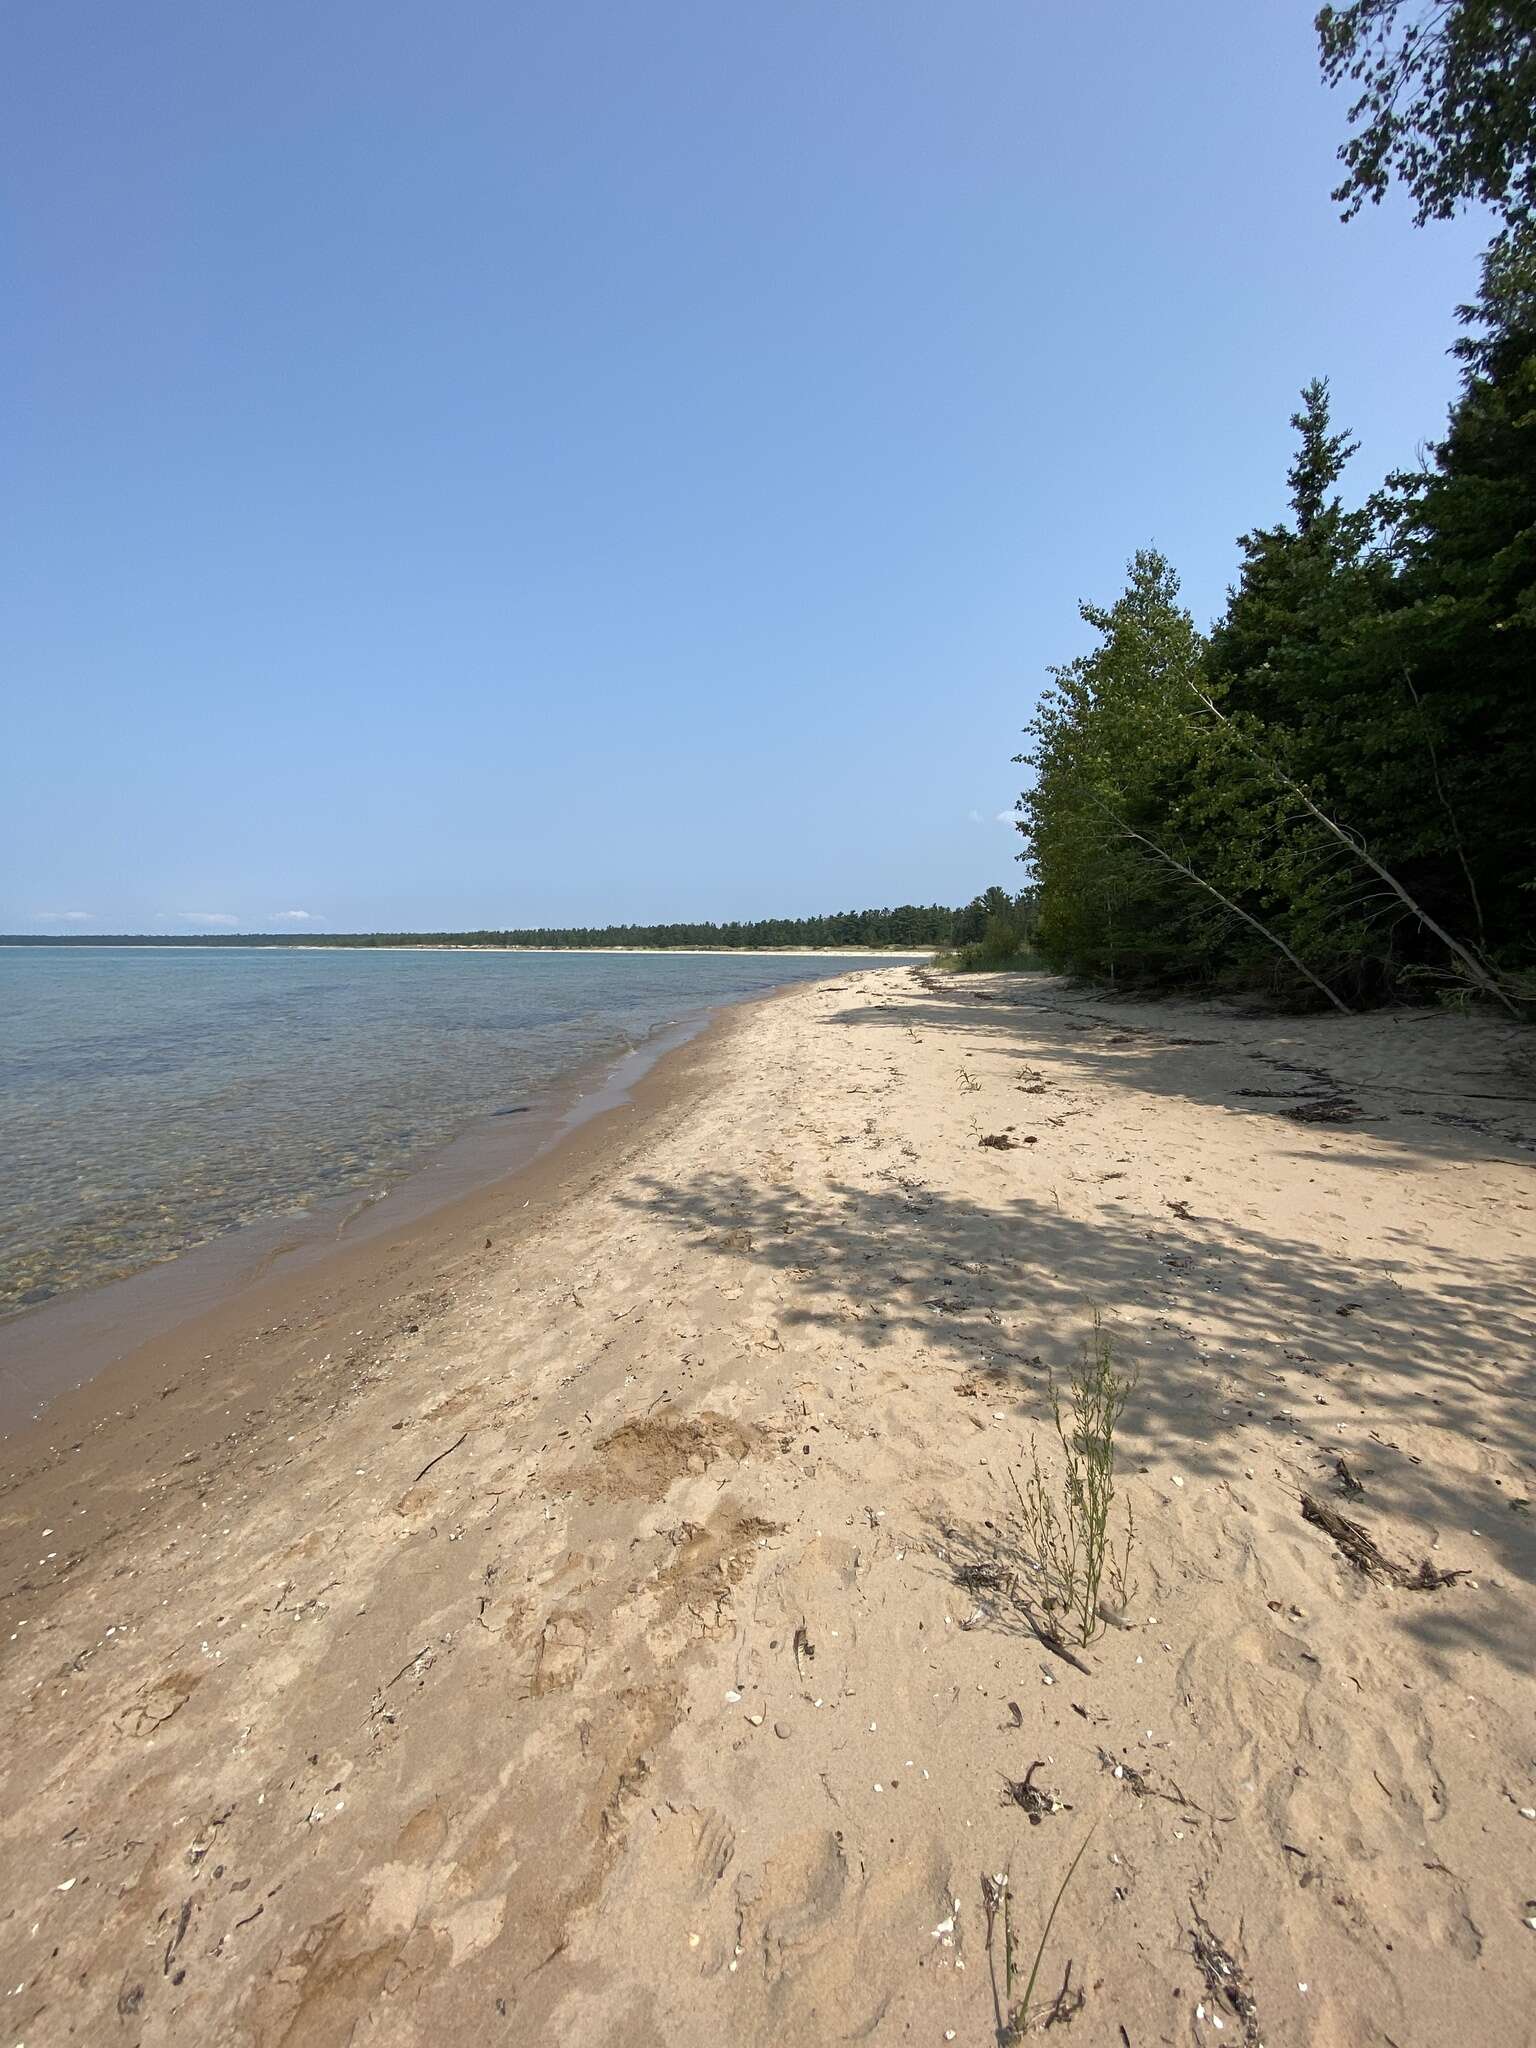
(600,1614)
(64,1344)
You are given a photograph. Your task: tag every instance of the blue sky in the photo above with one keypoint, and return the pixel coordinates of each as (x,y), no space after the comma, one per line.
(505,463)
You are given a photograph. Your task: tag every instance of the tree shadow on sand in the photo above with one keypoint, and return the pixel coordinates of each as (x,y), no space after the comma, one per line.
(1002,1290)
(1437,1086)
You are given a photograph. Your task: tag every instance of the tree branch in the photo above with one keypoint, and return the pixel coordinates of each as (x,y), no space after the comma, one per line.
(1236,908)
(1481,976)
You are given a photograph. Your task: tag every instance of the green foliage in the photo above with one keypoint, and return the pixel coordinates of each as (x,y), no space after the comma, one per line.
(1447,102)
(1019,2018)
(1460,637)
(1283,665)
(1116,747)
(1002,944)
(1447,106)
(1071,1543)
(1331,795)
(995,930)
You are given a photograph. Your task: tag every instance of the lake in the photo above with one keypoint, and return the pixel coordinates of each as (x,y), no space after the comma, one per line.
(152,1099)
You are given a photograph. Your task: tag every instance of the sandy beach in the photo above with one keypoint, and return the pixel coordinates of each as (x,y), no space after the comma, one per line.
(601,1614)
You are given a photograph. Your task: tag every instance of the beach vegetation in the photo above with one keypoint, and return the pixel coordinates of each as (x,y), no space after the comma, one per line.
(1325,798)
(1068,1525)
(1016,2015)
(995,931)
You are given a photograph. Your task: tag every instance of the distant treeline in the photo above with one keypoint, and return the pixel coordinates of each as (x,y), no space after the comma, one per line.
(906,927)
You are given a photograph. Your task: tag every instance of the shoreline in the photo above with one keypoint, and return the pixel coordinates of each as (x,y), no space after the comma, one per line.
(57,1345)
(659,952)
(67,1357)
(602,1616)
(274,943)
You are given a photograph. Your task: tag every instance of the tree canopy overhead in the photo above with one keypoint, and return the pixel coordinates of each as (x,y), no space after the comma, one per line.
(1447,102)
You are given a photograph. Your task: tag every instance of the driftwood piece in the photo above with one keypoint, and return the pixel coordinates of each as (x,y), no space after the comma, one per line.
(1363,1552)
(1324,1109)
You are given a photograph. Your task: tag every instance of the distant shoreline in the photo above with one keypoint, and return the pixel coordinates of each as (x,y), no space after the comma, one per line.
(297,1162)
(279,944)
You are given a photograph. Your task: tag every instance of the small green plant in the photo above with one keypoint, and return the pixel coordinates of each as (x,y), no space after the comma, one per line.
(969,1082)
(1016,2018)
(1072,1542)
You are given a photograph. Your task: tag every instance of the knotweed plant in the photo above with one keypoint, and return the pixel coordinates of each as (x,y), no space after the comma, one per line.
(1069,1530)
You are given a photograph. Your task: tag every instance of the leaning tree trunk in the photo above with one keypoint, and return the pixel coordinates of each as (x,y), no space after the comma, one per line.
(1480,975)
(1236,909)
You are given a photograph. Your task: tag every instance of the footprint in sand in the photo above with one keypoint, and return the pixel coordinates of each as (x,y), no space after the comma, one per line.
(561,1655)
(641,1460)
(807,1604)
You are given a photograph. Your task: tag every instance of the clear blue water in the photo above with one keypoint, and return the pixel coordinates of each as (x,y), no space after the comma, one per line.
(150,1100)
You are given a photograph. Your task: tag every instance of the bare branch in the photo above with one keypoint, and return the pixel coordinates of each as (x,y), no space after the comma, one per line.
(1236,908)
(1480,975)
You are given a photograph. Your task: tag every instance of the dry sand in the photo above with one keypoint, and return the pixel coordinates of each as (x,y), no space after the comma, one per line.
(619,1634)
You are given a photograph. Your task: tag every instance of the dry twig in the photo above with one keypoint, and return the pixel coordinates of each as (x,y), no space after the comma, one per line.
(1363,1552)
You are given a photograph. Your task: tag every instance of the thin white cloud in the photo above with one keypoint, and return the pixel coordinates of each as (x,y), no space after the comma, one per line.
(62,916)
(976,818)
(293,917)
(214,919)
(1007,817)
